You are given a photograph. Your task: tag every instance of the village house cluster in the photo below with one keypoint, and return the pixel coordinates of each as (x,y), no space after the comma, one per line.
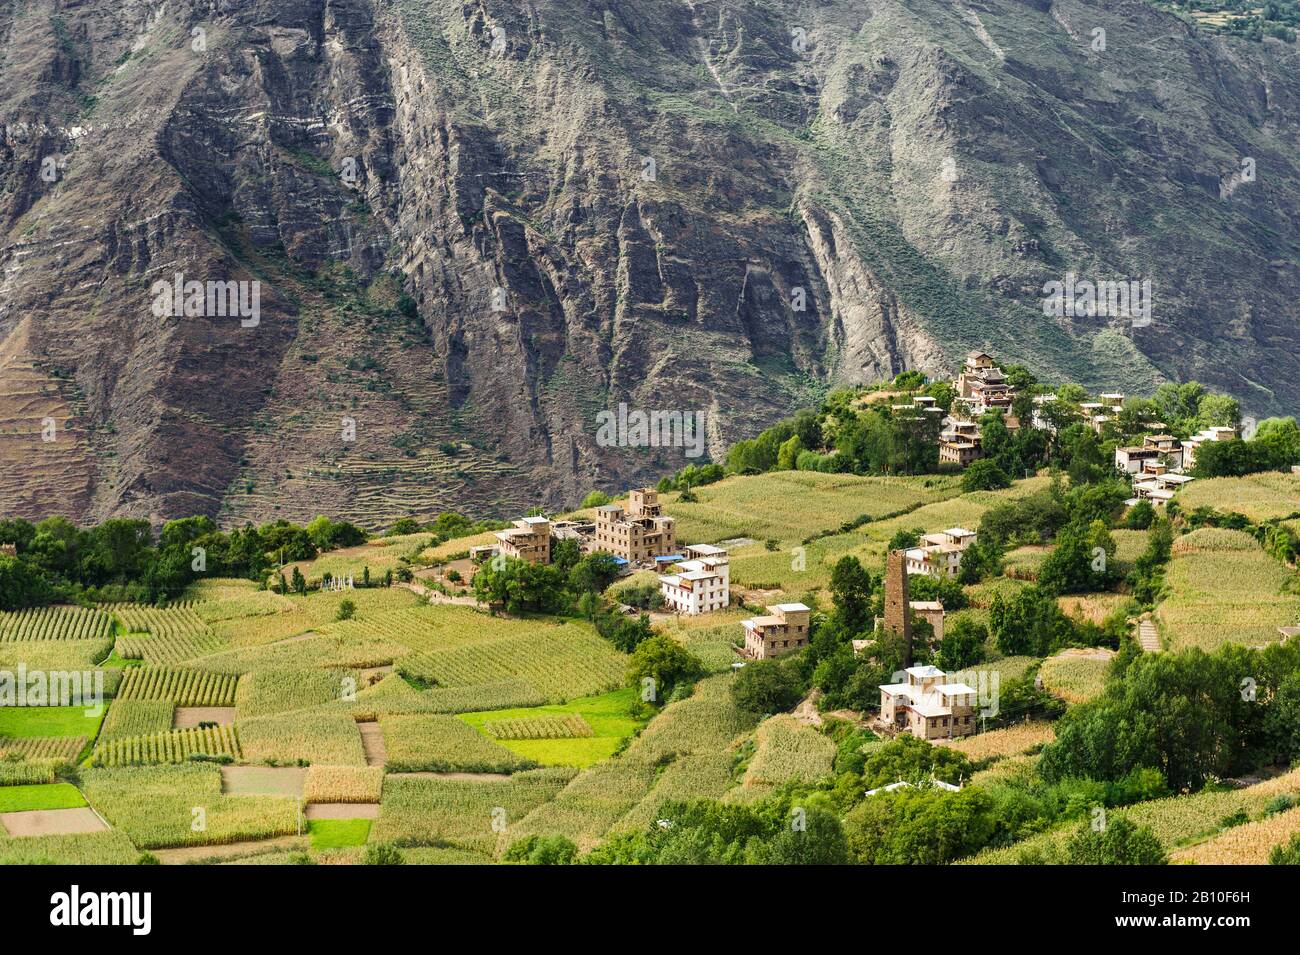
(640,535)
(981,387)
(1158,466)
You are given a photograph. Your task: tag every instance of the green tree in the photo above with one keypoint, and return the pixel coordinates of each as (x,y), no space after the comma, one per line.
(666,663)
(1119,842)
(984,475)
(596,499)
(767,686)
(962,645)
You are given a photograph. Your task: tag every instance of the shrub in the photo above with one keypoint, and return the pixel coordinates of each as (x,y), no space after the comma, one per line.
(382,854)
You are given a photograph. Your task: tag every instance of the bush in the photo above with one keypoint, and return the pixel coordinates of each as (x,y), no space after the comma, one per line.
(1118,843)
(984,475)
(542,850)
(1288,854)
(768,686)
(382,854)
(346,610)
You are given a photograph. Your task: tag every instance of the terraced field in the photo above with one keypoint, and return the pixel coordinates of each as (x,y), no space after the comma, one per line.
(55,623)
(1224,588)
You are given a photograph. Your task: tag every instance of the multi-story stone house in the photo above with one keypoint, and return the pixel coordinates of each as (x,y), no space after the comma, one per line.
(639,534)
(699,584)
(928,706)
(785,628)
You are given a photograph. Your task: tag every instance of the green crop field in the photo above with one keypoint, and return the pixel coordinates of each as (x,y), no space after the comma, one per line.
(1260,497)
(480,730)
(1224,588)
(55,623)
(605,716)
(42,721)
(47,796)
(338,833)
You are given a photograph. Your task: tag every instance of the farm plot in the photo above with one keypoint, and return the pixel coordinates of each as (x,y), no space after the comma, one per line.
(56,623)
(1269,495)
(98,848)
(221,599)
(156,806)
(171,746)
(31,722)
(786,751)
(181,687)
(1247,844)
(361,784)
(277,691)
(310,736)
(792,505)
(75,655)
(64,749)
(590,805)
(694,776)
(1076,676)
(40,796)
(24,772)
(606,717)
(1002,743)
(162,635)
(561,662)
(443,744)
(539,727)
(1223,588)
(704,724)
(460,812)
(127,718)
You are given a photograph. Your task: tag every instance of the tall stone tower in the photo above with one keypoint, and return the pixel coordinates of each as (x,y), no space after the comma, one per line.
(898,617)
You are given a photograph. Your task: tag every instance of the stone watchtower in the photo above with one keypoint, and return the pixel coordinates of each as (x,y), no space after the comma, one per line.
(897,611)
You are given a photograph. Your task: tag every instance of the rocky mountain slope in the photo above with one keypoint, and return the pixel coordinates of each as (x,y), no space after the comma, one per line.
(477,223)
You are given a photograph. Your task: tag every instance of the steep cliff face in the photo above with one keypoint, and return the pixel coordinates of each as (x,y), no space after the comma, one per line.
(475,225)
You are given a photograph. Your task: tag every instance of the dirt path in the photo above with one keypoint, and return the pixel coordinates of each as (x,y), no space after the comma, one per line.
(231,850)
(372,743)
(343,810)
(806,711)
(1148,636)
(263,780)
(186,716)
(52,822)
(436,597)
(458,777)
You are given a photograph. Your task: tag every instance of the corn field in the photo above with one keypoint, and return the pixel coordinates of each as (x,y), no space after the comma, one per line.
(174,746)
(181,687)
(64,748)
(539,727)
(56,623)
(343,784)
(162,635)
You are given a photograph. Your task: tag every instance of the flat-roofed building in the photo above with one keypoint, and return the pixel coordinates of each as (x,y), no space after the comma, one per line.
(638,534)
(784,628)
(699,584)
(529,539)
(1198,439)
(928,706)
(939,554)
(959,443)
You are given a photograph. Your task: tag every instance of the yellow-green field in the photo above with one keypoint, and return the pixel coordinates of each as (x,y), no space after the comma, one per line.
(1223,588)
(1269,495)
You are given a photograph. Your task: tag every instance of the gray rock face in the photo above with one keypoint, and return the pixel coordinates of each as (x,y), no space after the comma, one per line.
(476,225)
